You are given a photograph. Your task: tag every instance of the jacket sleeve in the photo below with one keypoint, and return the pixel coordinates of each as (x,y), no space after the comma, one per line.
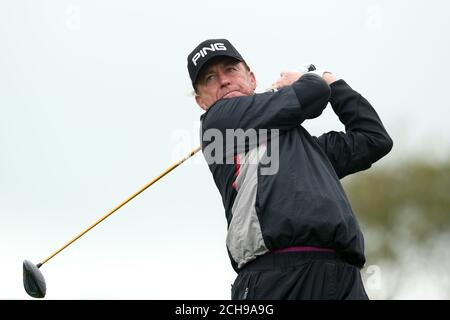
(285,109)
(365,140)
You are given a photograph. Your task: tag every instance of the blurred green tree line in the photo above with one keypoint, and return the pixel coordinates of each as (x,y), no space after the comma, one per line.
(412,195)
(404,212)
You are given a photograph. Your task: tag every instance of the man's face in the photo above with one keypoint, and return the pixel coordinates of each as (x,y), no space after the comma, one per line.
(223,78)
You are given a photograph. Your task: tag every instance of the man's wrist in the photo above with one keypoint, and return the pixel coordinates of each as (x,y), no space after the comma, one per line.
(329,77)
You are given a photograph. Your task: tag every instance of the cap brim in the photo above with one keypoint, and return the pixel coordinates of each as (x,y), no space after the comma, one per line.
(207,62)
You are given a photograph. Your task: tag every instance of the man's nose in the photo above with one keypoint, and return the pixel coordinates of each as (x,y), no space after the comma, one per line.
(224,79)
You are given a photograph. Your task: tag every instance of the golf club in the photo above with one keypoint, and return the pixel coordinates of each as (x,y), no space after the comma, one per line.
(33,280)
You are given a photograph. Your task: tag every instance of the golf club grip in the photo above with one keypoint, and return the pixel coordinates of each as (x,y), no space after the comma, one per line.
(134,195)
(310,67)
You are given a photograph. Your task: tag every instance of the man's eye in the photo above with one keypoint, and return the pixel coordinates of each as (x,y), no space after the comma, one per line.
(232,68)
(210,78)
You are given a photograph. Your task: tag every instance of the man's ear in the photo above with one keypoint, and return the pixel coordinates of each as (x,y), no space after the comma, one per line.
(200,102)
(253,80)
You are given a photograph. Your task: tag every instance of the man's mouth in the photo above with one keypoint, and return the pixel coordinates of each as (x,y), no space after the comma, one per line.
(229,94)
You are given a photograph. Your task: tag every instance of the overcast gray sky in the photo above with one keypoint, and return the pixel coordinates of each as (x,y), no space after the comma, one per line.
(94,103)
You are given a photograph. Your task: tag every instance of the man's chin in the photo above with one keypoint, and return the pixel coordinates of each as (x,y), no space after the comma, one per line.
(233,94)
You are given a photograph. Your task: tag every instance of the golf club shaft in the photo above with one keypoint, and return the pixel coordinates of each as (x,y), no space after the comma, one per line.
(134,195)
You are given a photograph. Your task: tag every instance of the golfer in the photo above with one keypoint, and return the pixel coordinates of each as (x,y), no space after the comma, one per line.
(291,232)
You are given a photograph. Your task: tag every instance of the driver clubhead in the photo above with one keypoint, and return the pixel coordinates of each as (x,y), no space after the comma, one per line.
(33,280)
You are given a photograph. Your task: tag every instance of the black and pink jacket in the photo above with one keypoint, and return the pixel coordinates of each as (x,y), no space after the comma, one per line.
(302,203)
